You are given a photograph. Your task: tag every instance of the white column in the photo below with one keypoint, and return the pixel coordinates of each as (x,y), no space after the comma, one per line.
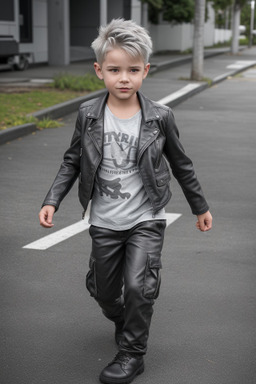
(58,32)
(252,23)
(103,12)
(136,11)
(235,28)
(144,15)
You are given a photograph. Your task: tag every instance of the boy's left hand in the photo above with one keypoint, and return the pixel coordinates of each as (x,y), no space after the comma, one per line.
(204,222)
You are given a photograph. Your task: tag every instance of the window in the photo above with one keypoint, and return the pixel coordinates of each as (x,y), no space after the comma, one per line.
(7,10)
(25,15)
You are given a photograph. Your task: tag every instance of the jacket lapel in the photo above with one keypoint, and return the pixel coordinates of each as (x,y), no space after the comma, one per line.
(96,116)
(149,127)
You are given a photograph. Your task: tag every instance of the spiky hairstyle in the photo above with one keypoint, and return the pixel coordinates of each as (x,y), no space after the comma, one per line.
(124,34)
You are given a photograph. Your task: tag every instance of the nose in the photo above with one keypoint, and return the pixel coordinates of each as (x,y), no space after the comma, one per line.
(124,77)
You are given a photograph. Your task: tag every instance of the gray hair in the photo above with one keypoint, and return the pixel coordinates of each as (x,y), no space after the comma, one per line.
(124,34)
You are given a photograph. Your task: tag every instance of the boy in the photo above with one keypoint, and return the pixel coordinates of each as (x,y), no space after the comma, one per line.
(121,150)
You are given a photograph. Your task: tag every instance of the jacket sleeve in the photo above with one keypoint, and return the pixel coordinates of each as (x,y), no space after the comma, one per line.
(68,172)
(183,169)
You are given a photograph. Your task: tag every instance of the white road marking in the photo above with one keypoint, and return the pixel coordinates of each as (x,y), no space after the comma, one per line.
(241,64)
(173,96)
(65,233)
(171,217)
(59,236)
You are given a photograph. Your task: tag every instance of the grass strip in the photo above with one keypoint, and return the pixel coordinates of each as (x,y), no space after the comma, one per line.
(17,103)
(15,106)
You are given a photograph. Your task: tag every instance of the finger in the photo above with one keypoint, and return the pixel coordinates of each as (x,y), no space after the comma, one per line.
(205,225)
(45,224)
(200,225)
(49,217)
(208,225)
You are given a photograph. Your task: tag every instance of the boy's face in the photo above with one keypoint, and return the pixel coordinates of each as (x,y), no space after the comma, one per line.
(122,74)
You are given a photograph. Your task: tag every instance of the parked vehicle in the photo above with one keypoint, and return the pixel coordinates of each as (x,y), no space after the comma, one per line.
(10,56)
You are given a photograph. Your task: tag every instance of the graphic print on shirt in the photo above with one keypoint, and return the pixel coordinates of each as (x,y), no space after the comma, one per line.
(112,188)
(119,155)
(119,158)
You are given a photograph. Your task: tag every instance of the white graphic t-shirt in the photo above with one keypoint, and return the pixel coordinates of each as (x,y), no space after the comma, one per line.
(119,199)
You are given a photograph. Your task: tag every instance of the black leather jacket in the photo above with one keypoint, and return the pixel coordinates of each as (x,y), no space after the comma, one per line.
(159,147)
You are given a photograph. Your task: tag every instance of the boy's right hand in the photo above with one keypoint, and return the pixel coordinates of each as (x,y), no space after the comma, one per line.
(46,215)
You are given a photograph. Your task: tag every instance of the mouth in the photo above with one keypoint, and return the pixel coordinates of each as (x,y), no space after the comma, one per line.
(123,89)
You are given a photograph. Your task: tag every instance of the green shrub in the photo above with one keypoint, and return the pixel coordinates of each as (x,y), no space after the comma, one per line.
(221,44)
(205,79)
(48,123)
(244,41)
(87,82)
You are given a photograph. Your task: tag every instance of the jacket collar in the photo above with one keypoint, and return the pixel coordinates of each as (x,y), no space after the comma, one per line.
(148,109)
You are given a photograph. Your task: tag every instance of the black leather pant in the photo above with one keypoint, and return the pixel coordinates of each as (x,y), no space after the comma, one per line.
(124,278)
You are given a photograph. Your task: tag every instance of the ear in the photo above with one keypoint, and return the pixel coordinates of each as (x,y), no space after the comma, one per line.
(98,70)
(146,69)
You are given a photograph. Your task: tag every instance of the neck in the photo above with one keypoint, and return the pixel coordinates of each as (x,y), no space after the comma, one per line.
(124,109)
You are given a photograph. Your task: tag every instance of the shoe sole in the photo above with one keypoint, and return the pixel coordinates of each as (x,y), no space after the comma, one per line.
(128,380)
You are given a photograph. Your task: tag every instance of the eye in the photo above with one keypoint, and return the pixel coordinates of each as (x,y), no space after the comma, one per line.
(134,70)
(114,70)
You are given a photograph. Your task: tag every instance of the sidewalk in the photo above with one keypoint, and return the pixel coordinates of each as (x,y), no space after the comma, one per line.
(168,81)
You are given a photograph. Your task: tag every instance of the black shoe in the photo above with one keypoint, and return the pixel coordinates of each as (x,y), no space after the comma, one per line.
(122,370)
(119,331)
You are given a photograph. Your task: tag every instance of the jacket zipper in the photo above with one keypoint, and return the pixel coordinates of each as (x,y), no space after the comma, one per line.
(147,145)
(97,165)
(81,152)
(158,159)
(139,157)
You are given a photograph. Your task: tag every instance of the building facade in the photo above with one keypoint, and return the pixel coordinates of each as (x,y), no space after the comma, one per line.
(61,31)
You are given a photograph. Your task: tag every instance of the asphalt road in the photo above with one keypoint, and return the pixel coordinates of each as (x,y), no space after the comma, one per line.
(203,330)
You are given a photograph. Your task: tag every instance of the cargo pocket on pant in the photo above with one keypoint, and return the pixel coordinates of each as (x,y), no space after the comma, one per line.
(152,278)
(90,280)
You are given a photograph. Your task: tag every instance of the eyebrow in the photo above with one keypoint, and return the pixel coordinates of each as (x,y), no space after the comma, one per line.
(117,66)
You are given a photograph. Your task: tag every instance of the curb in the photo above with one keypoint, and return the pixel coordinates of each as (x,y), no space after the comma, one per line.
(183,94)
(15,132)
(62,109)
(224,76)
